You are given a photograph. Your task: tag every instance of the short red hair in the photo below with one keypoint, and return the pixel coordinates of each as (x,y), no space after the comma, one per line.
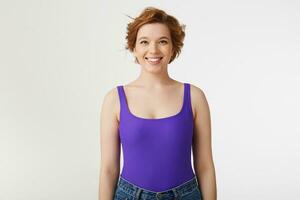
(154,15)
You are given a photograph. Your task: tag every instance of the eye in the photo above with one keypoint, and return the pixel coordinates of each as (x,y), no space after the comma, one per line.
(164,42)
(143,42)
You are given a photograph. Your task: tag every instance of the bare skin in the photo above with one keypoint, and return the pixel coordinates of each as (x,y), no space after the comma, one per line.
(155,95)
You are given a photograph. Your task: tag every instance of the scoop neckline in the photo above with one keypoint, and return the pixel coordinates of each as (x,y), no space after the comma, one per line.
(161,118)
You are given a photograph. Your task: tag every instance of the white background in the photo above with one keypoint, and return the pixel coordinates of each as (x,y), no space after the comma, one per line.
(59,58)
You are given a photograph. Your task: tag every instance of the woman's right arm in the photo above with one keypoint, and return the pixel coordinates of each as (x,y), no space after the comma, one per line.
(109,146)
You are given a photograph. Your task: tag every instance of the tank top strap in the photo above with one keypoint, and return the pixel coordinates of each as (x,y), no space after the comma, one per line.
(187,97)
(122,98)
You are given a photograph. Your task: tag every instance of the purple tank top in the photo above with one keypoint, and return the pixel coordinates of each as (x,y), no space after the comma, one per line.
(157,152)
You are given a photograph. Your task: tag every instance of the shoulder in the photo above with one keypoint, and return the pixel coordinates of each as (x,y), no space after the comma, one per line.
(198,99)
(111,95)
(111,101)
(197,92)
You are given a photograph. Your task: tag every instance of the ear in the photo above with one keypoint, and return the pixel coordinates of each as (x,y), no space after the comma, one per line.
(173,50)
(134,51)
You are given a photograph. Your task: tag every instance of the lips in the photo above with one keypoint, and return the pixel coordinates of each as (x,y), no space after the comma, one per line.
(153,59)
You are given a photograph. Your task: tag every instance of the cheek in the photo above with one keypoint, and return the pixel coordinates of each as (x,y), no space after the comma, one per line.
(139,52)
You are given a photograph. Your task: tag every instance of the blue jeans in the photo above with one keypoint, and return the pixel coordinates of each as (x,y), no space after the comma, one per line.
(186,191)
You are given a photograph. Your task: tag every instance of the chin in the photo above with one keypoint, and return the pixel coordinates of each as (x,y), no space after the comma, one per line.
(153,69)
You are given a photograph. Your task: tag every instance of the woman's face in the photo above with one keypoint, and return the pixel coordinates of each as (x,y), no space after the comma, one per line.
(153,47)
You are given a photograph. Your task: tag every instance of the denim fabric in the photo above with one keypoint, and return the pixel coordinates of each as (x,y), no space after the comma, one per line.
(186,191)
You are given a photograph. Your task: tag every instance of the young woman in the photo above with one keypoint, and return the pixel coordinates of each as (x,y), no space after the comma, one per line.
(158,120)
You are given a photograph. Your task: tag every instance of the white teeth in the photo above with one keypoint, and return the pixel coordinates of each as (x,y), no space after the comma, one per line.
(153,59)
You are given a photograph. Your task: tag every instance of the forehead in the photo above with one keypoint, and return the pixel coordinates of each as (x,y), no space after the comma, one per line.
(153,31)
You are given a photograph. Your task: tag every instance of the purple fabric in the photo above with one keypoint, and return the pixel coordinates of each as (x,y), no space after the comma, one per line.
(157,152)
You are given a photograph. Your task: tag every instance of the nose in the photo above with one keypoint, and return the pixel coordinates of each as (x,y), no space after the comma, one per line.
(153,48)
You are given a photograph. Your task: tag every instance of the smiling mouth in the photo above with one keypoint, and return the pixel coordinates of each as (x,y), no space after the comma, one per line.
(153,59)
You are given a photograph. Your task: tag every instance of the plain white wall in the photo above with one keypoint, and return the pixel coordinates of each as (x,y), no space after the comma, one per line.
(59,58)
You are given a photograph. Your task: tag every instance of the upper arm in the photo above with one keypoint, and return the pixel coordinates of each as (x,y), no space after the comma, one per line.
(202,148)
(109,137)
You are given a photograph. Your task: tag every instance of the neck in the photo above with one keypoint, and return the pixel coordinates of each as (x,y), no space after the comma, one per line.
(154,80)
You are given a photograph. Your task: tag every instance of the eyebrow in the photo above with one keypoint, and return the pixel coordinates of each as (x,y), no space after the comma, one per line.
(159,38)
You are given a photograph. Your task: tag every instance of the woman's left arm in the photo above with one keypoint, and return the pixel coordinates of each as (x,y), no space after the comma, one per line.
(202,148)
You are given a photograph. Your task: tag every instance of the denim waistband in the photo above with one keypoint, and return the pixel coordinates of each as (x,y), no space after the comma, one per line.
(137,192)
